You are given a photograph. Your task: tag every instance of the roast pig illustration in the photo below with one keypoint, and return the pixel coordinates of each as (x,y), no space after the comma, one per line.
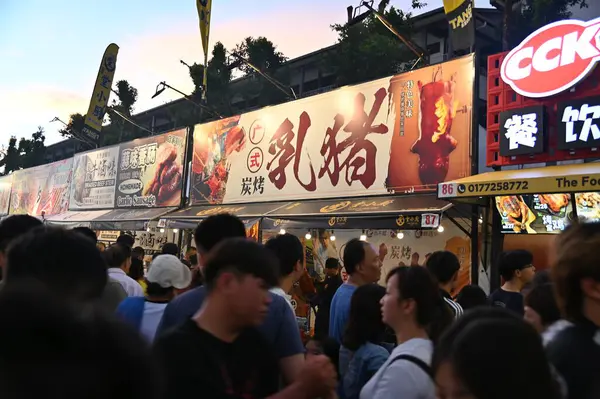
(437,111)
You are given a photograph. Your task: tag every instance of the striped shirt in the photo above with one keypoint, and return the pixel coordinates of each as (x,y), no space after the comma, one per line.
(457,310)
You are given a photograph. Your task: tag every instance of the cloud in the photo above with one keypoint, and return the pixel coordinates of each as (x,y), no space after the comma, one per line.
(26,108)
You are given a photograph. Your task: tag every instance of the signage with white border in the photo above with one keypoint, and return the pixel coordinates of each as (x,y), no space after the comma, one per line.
(553,59)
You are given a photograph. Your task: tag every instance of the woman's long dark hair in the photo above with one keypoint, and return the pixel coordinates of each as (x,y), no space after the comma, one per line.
(486,341)
(365,324)
(416,283)
(136,271)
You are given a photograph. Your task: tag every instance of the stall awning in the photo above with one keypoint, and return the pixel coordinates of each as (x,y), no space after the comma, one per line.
(390,212)
(75,218)
(189,217)
(551,179)
(128,219)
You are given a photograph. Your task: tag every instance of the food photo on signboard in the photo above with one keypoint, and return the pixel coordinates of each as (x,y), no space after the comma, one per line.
(535,214)
(150,172)
(588,206)
(94,179)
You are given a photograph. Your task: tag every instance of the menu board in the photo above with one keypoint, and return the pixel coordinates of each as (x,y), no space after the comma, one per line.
(94,179)
(535,214)
(151,171)
(588,206)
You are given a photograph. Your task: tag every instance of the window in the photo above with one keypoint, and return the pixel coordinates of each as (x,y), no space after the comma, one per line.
(434,48)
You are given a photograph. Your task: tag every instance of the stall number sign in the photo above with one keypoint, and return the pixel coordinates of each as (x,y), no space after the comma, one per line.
(522,131)
(553,59)
(579,124)
(430,220)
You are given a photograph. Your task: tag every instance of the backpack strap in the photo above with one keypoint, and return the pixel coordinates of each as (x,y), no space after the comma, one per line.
(416,361)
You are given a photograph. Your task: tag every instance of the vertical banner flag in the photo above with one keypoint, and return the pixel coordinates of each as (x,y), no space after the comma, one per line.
(100,95)
(204,10)
(460,19)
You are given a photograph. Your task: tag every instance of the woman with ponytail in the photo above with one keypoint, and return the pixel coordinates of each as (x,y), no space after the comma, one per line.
(414,309)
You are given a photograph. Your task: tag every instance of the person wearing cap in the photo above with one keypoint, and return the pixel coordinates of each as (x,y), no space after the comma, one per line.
(517,270)
(166,275)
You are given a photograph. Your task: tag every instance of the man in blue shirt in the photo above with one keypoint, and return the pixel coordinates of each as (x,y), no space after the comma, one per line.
(363,265)
(279,328)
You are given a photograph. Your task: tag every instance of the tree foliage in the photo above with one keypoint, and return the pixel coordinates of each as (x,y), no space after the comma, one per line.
(532,15)
(32,152)
(11,159)
(74,127)
(367,50)
(120,130)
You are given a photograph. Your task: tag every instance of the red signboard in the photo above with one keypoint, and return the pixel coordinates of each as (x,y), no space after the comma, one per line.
(553,59)
(502,97)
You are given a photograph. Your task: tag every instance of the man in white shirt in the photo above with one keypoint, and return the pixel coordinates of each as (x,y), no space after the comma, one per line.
(290,253)
(118,260)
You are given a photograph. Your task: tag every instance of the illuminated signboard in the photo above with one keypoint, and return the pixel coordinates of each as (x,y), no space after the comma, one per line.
(535,214)
(553,59)
(522,131)
(578,122)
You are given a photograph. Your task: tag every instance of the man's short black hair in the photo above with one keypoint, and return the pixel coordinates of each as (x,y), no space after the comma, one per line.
(15,226)
(217,228)
(116,255)
(288,249)
(65,262)
(443,265)
(242,257)
(87,232)
(354,254)
(127,240)
(511,261)
(332,263)
(75,353)
(170,248)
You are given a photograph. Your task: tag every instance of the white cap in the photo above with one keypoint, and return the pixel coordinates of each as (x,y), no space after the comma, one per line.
(168,271)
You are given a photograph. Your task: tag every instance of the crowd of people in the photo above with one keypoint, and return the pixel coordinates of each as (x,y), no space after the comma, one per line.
(80,321)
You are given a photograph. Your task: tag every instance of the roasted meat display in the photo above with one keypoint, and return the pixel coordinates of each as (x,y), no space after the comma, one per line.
(516,211)
(435,143)
(167,176)
(555,202)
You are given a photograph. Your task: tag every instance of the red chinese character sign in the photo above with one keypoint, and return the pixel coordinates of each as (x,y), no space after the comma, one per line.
(401,134)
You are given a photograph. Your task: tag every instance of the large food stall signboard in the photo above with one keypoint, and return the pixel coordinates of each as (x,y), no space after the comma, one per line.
(535,214)
(143,173)
(151,171)
(5,186)
(400,134)
(42,190)
(94,179)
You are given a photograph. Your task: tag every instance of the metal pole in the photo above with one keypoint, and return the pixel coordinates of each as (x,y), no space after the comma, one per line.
(474,171)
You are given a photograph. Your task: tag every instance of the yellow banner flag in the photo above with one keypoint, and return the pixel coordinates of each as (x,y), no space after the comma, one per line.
(101,93)
(204,11)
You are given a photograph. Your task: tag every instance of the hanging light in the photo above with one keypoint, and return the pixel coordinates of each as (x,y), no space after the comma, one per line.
(282,231)
(480,220)
(440,229)
(308,236)
(332,236)
(400,235)
(162,230)
(148,229)
(175,231)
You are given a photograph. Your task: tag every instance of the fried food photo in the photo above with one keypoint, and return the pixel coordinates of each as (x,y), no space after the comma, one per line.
(555,202)
(168,173)
(516,211)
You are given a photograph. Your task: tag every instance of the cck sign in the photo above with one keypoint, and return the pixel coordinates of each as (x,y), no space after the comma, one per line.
(553,58)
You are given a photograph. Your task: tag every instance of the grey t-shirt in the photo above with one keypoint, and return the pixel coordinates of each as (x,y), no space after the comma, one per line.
(112,295)
(403,378)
